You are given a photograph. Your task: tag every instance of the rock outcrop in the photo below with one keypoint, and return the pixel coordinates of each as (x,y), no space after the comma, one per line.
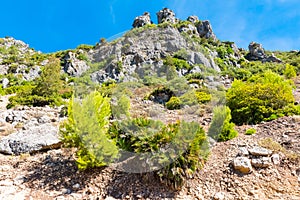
(17,58)
(257,52)
(142,55)
(141,21)
(193,19)
(74,66)
(205,30)
(166,15)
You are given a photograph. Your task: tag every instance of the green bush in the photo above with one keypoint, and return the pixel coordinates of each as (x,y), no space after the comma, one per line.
(120,108)
(263,97)
(289,71)
(87,129)
(203,97)
(250,131)
(177,63)
(174,103)
(187,140)
(221,128)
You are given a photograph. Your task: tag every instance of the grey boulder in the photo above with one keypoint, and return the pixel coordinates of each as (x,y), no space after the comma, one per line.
(33,139)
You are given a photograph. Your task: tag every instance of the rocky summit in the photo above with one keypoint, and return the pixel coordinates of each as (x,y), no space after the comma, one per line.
(174,72)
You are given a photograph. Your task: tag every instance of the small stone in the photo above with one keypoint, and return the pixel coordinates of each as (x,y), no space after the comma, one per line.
(219,196)
(243,151)
(109,198)
(76,186)
(276,159)
(263,162)
(19,180)
(242,164)
(66,191)
(259,151)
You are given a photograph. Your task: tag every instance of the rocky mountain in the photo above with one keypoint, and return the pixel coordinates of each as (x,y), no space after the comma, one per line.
(35,164)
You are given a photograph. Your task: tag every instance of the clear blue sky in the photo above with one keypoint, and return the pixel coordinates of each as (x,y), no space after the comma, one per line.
(51,25)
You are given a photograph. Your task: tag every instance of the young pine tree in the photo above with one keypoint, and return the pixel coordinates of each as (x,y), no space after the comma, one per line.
(49,83)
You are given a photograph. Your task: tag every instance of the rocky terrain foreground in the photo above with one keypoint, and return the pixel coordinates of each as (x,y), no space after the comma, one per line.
(275,175)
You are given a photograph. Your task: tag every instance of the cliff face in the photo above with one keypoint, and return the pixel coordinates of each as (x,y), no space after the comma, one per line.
(148,44)
(135,51)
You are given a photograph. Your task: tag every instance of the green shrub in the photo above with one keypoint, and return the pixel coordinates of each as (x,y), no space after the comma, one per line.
(187,140)
(174,103)
(250,131)
(221,128)
(289,71)
(189,98)
(120,108)
(181,54)
(177,63)
(261,98)
(203,97)
(85,47)
(87,129)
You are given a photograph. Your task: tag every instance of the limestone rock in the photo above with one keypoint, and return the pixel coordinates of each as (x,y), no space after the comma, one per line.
(257,52)
(242,164)
(166,15)
(193,19)
(259,151)
(189,28)
(243,151)
(34,139)
(29,74)
(141,21)
(5,83)
(219,196)
(275,159)
(74,66)
(262,162)
(205,30)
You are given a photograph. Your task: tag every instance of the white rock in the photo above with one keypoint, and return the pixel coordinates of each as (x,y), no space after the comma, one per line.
(276,159)
(259,151)
(219,196)
(263,162)
(242,164)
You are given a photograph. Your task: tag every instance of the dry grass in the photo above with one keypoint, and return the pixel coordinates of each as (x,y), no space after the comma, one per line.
(269,143)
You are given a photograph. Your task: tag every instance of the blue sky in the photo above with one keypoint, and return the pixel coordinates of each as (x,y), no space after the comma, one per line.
(64,24)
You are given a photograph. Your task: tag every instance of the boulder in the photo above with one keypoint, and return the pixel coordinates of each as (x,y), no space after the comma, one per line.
(205,30)
(141,21)
(260,151)
(166,15)
(189,28)
(242,164)
(262,162)
(74,66)
(5,83)
(193,19)
(34,139)
(257,52)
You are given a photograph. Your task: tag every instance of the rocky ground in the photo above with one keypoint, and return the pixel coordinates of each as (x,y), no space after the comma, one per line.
(53,174)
